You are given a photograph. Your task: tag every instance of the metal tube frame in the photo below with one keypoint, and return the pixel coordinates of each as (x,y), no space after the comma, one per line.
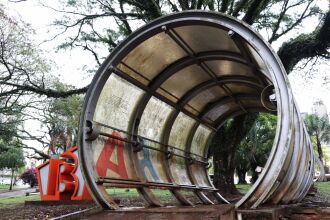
(267,184)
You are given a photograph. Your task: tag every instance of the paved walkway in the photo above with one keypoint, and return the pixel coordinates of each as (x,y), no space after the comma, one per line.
(16,192)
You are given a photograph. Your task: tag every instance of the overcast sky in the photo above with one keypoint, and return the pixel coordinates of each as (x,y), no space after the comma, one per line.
(70,64)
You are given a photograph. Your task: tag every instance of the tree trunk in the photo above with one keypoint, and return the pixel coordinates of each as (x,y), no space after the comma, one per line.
(322,177)
(255,175)
(306,46)
(15,181)
(224,167)
(241,176)
(319,149)
(11,179)
(68,140)
(223,149)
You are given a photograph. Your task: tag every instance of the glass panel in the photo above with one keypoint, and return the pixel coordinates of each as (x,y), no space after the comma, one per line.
(200,175)
(216,112)
(200,140)
(167,95)
(241,88)
(180,131)
(153,55)
(206,38)
(151,163)
(198,146)
(179,170)
(210,95)
(133,74)
(151,126)
(225,67)
(178,138)
(252,103)
(184,80)
(153,119)
(112,156)
(115,105)
(191,110)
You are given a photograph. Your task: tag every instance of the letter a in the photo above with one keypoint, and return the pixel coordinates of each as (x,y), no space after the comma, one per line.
(104,163)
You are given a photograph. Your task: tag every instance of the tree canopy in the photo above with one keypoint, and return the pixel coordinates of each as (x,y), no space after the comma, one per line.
(254,149)
(24,70)
(276,18)
(319,129)
(29,92)
(11,157)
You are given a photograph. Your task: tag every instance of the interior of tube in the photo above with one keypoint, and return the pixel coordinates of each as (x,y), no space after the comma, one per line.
(158,101)
(250,157)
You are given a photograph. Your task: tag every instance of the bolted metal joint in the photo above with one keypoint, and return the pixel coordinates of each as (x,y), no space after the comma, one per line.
(137,146)
(92,132)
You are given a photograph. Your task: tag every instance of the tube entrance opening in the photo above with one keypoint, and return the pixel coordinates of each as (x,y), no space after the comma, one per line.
(239,151)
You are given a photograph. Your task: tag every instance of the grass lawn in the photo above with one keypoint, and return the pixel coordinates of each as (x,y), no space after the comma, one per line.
(8,202)
(125,193)
(324,189)
(243,188)
(119,192)
(5,186)
(165,196)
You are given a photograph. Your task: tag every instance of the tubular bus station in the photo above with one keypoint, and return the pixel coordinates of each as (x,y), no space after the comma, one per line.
(156,102)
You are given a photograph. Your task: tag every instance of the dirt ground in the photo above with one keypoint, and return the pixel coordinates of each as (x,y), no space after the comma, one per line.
(38,211)
(22,211)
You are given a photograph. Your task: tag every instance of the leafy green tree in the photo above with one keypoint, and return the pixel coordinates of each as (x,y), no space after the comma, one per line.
(61,119)
(26,85)
(11,153)
(254,149)
(11,157)
(318,128)
(59,124)
(224,161)
(24,70)
(274,17)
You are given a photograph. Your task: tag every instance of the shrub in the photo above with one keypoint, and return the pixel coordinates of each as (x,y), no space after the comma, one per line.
(29,177)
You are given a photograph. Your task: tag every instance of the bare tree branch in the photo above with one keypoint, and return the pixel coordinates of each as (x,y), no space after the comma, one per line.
(303,15)
(306,45)
(238,7)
